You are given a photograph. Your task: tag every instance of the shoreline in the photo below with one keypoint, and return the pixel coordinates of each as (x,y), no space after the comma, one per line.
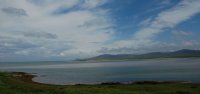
(27,77)
(21,83)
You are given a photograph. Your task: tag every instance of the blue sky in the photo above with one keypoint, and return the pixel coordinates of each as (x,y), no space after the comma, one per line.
(69,29)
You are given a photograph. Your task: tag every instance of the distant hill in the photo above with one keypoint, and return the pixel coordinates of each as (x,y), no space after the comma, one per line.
(184,53)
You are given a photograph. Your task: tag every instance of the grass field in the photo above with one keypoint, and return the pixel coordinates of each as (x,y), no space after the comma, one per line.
(13,83)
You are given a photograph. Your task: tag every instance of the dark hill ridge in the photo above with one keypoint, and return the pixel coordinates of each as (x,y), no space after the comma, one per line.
(184,53)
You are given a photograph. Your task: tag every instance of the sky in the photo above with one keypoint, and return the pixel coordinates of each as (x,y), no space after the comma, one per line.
(46,30)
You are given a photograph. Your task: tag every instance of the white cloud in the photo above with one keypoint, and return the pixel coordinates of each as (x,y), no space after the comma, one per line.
(169,18)
(79,32)
(182,33)
(164,2)
(76,33)
(93,3)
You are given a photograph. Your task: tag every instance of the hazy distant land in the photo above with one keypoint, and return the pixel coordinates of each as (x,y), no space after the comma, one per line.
(184,53)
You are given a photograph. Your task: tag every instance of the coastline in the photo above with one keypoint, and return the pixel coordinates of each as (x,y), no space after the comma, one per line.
(27,77)
(21,83)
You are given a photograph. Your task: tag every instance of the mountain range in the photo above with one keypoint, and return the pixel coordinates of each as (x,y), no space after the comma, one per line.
(184,53)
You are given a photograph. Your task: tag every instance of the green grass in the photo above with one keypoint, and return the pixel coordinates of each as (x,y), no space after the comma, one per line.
(12,85)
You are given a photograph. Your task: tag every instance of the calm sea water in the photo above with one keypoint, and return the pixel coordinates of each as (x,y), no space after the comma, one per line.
(97,72)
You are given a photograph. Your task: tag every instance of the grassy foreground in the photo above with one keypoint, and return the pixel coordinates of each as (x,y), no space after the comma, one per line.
(18,83)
